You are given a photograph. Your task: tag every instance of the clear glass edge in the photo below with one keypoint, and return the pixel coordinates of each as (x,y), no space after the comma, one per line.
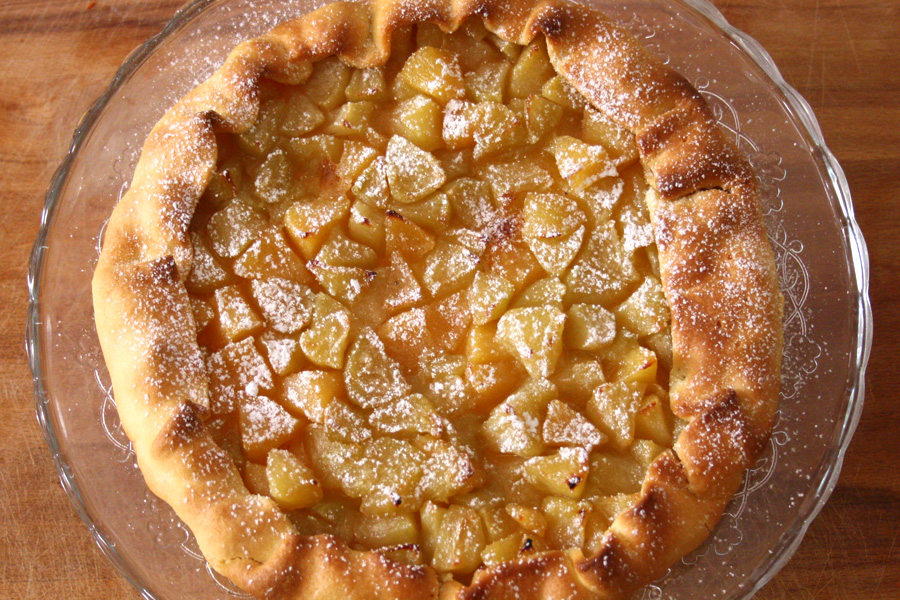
(827,477)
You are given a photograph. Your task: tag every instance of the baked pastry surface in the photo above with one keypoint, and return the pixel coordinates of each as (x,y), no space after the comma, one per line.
(715,269)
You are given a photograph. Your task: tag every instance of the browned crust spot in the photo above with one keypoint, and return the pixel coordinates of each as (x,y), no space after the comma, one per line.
(705,211)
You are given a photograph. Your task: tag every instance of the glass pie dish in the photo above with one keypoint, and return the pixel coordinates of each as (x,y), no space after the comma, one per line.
(821,258)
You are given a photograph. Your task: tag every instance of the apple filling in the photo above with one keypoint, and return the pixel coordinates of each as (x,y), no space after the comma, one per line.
(430,304)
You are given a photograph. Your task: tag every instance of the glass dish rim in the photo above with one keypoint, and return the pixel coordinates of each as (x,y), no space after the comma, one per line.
(829,468)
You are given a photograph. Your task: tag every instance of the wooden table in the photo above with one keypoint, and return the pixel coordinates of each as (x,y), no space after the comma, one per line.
(57,56)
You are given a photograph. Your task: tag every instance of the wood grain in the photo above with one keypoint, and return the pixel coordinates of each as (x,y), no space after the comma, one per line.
(57,56)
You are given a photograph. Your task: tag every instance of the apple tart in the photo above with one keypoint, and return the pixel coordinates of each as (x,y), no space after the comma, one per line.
(428,299)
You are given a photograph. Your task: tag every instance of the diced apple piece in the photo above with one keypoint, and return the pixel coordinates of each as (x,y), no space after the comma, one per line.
(645,452)
(510,258)
(514,426)
(309,393)
(487,82)
(529,519)
(327,83)
(344,283)
(401,289)
(561,92)
(535,336)
(550,215)
(612,409)
(410,415)
(496,129)
(420,120)
(315,154)
(445,378)
(395,287)
(407,339)
(470,47)
(263,135)
(352,118)
(355,159)
(556,254)
(286,305)
(301,115)
(341,465)
(309,223)
(371,186)
(347,423)
(494,381)
(207,273)
(626,360)
(489,296)
(566,522)
(292,484)
(398,469)
(541,117)
(601,272)
(560,474)
(531,71)
(654,421)
(367,84)
(326,339)
(283,352)
(482,346)
(270,255)
(646,311)
(407,554)
(366,225)
(412,173)
(224,182)
(597,128)
(434,72)
(577,375)
(458,128)
(246,367)
(371,377)
(505,549)
(337,517)
(254,477)
(265,425)
(564,426)
(613,473)
(447,268)
(510,50)
(454,537)
(274,179)
(472,202)
(589,327)
(515,177)
(448,321)
(340,251)
(448,471)
(637,231)
(432,213)
(232,229)
(405,238)
(203,312)
(488,503)
(579,163)
(380,531)
(237,318)
(543,292)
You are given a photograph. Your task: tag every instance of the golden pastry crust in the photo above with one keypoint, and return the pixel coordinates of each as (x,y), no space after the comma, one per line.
(716,266)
